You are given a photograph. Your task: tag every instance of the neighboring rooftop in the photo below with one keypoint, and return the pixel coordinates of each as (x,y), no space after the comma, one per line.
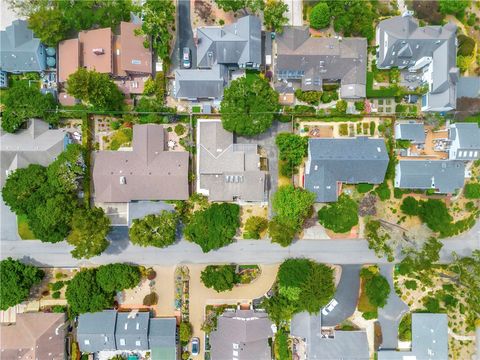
(131,331)
(311,61)
(443,176)
(35,335)
(469,87)
(352,161)
(334,346)
(200,83)
(147,172)
(410,130)
(465,141)
(403,43)
(242,335)
(227,171)
(429,339)
(162,338)
(20,50)
(96,331)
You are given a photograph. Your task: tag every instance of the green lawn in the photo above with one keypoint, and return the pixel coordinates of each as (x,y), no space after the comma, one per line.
(23,228)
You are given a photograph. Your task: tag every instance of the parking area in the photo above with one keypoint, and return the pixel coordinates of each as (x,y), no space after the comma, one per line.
(116,212)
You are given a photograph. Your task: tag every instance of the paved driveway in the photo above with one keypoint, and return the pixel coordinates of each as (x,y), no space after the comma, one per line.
(267,141)
(346,295)
(184,35)
(390,315)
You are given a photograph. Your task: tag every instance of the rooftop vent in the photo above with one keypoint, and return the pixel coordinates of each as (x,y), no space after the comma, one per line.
(123,180)
(98,51)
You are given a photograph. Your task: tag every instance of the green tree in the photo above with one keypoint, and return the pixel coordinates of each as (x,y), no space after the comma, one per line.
(235,5)
(377,289)
(17,279)
(354,17)
(340,216)
(320,16)
(281,346)
(49,25)
(341,106)
(279,309)
(410,206)
(23,102)
(274,15)
(318,288)
(117,277)
(21,184)
(254,226)
(383,191)
(90,228)
(220,277)
(95,89)
(455,7)
(84,294)
(185,332)
(292,149)
(377,240)
(158,22)
(292,205)
(434,213)
(155,230)
(472,191)
(248,106)
(67,171)
(280,233)
(213,227)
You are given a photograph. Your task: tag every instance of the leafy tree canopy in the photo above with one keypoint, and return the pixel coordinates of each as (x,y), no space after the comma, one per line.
(67,171)
(95,89)
(155,230)
(293,148)
(292,205)
(254,226)
(17,280)
(410,206)
(117,277)
(185,332)
(340,216)
(248,106)
(434,213)
(472,191)
(23,102)
(235,5)
(90,228)
(274,15)
(455,7)
(280,233)
(320,16)
(220,278)
(376,286)
(213,227)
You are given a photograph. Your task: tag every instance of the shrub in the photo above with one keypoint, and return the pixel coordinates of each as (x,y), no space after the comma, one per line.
(326,97)
(434,213)
(466,45)
(115,125)
(370,315)
(411,285)
(383,191)
(377,288)
(185,332)
(360,105)
(179,129)
(341,106)
(472,191)
(340,216)
(254,226)
(56,286)
(343,129)
(405,328)
(432,305)
(372,128)
(397,193)
(150,299)
(320,16)
(410,206)
(310,97)
(281,347)
(280,233)
(220,277)
(56,295)
(363,188)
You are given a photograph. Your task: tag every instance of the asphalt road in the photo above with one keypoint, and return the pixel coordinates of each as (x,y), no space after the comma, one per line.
(346,294)
(184,35)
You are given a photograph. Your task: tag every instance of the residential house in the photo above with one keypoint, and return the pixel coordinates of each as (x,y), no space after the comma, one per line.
(36,144)
(328,344)
(148,172)
(227,171)
(429,339)
(332,162)
(122,56)
(20,50)
(307,63)
(242,335)
(428,51)
(441,176)
(411,131)
(133,331)
(35,335)
(220,49)
(465,141)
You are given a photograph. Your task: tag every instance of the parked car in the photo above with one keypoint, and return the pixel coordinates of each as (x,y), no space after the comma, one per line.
(195,346)
(329,307)
(187,63)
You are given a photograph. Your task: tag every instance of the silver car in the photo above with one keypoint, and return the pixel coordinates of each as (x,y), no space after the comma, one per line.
(186,61)
(195,346)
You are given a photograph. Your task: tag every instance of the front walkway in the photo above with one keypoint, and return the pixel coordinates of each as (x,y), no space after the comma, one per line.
(391,314)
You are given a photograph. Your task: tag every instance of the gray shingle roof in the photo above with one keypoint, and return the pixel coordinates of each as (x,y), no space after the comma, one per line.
(352,161)
(243,335)
(162,338)
(20,51)
(200,83)
(401,43)
(468,86)
(412,131)
(346,345)
(468,135)
(227,171)
(96,331)
(131,331)
(310,60)
(429,339)
(446,176)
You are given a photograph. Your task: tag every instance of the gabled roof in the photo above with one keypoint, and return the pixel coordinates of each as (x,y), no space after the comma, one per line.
(148,172)
(200,83)
(162,338)
(96,331)
(314,59)
(444,175)
(96,49)
(242,334)
(468,135)
(131,330)
(19,49)
(357,160)
(412,131)
(226,171)
(34,336)
(134,57)
(348,345)
(429,339)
